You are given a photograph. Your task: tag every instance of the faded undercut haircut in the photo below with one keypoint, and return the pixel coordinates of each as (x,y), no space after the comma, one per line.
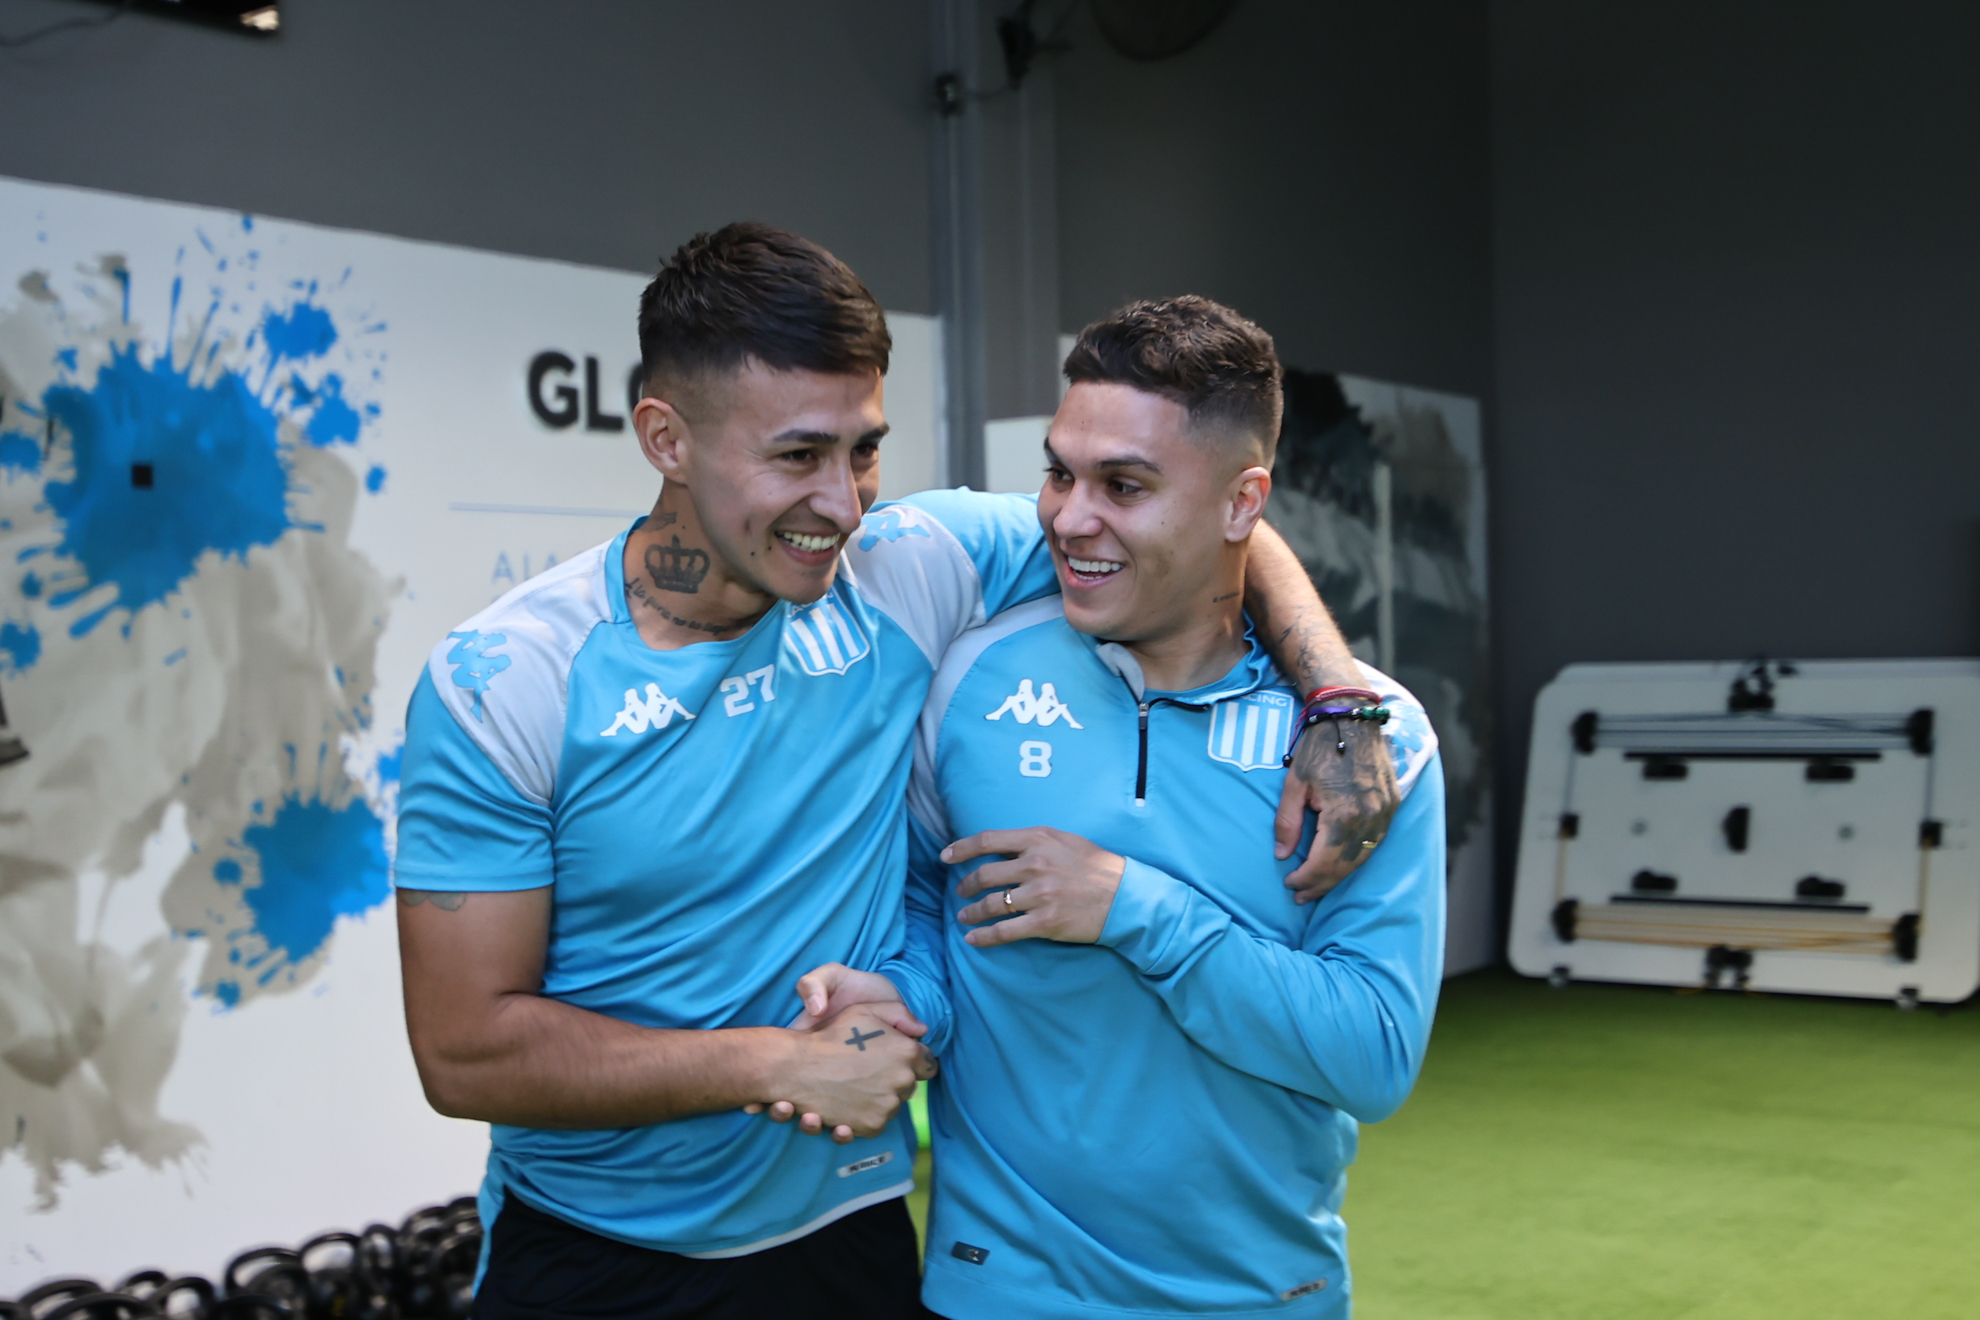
(1199,353)
(751,291)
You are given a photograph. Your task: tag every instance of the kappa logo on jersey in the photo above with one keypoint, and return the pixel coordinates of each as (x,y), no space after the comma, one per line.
(824,639)
(474,668)
(656,710)
(886,526)
(1251,732)
(1042,708)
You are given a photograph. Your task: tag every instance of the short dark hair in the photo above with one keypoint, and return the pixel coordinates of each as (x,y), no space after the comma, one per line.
(1199,353)
(753,291)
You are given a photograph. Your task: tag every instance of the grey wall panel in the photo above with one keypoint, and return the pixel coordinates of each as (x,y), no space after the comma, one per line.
(603,132)
(1321,166)
(1738,303)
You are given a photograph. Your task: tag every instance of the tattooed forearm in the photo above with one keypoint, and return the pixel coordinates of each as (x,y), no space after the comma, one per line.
(440,898)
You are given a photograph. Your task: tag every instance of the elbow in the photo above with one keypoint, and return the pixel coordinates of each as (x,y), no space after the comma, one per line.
(1375,1103)
(1382,1091)
(449,1086)
(447,1096)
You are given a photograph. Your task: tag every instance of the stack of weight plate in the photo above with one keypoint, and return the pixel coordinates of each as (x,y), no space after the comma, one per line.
(422,1270)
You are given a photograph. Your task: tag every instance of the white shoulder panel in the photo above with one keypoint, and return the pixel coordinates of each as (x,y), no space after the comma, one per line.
(1411,738)
(923,800)
(505,673)
(905,563)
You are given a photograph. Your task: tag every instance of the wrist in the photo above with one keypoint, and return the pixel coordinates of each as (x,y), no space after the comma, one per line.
(770,1063)
(1341,693)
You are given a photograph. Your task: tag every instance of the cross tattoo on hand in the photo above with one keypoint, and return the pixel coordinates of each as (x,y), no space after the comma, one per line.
(860,1040)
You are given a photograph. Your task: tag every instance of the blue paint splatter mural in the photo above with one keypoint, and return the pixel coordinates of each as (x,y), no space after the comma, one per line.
(213,478)
(175,500)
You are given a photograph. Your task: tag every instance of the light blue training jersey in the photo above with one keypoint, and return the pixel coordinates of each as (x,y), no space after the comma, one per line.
(716,821)
(1158,1124)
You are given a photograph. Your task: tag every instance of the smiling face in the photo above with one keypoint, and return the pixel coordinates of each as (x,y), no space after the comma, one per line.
(1146,514)
(779,466)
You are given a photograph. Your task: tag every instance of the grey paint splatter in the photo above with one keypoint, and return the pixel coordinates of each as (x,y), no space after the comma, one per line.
(236,696)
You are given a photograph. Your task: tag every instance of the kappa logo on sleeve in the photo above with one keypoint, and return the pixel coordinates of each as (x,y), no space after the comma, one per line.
(1251,732)
(656,710)
(1042,707)
(824,639)
(886,526)
(474,667)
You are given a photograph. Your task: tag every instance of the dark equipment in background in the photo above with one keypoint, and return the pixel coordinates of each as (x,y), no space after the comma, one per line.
(1158,29)
(261,18)
(422,1270)
(1145,30)
(12,749)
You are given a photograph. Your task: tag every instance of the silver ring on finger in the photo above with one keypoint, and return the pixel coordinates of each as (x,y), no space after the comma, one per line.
(1009,905)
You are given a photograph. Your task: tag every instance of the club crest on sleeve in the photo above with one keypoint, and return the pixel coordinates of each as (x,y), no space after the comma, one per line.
(824,638)
(1250,732)
(886,525)
(655,710)
(1041,707)
(474,667)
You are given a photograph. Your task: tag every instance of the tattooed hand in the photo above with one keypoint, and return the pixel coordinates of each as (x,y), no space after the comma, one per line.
(1354,794)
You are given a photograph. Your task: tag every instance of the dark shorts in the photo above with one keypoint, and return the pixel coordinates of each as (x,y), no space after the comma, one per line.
(862,1267)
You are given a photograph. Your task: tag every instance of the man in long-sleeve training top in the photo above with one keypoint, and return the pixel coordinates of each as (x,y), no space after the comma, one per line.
(1153,1060)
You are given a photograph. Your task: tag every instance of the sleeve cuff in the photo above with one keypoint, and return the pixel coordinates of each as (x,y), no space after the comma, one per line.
(924,1001)
(1157,921)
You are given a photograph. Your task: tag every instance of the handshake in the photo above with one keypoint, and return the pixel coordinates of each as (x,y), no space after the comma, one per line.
(853,1058)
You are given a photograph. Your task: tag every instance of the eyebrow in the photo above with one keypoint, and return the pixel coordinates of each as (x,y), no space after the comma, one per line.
(800,437)
(1113,464)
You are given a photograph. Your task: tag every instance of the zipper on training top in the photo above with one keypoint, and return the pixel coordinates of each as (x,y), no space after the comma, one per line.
(1141,760)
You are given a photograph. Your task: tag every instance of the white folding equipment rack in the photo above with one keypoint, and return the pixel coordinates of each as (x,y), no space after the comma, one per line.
(1803,828)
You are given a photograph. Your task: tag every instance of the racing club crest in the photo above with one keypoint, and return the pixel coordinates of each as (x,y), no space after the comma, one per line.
(824,638)
(1250,732)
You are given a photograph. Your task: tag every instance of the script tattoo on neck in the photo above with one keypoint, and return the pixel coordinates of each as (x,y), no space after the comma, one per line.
(638,590)
(442,899)
(677,567)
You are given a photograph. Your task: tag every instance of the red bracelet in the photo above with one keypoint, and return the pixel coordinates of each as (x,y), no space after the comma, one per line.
(1321,694)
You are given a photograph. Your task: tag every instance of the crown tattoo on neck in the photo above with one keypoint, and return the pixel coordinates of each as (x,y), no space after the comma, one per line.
(676,567)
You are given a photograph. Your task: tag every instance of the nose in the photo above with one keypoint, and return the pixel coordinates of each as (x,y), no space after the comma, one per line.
(1078,516)
(836,498)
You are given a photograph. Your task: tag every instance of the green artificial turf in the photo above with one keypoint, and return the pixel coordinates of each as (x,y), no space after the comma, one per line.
(1629,1153)
(1617,1152)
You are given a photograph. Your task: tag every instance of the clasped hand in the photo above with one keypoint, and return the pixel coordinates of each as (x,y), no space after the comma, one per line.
(850,1067)
(860,1055)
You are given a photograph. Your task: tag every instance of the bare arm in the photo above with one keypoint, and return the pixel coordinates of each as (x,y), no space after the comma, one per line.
(490,1046)
(1354,792)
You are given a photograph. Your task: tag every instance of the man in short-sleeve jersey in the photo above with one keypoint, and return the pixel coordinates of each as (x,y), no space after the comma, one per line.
(645,791)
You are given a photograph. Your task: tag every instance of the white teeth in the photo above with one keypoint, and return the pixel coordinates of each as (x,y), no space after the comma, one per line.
(1094,565)
(803,542)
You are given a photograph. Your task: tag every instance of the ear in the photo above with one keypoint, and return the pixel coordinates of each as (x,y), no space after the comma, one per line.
(1248,492)
(664,437)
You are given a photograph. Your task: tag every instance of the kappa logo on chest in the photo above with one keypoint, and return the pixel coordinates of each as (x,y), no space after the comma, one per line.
(1041,707)
(655,710)
(1251,732)
(824,638)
